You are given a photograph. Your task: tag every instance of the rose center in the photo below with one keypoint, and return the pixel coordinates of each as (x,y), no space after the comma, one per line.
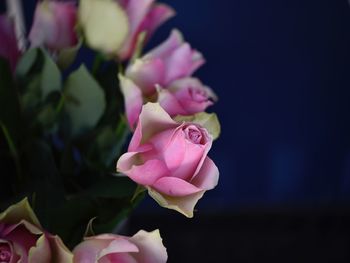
(195,136)
(5,253)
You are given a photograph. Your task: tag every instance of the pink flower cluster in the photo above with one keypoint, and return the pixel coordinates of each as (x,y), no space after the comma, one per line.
(23,240)
(165,107)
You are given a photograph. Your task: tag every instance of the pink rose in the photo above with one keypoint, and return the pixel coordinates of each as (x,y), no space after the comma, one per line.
(8,43)
(171,61)
(144,16)
(143,247)
(170,159)
(22,239)
(54,25)
(185,97)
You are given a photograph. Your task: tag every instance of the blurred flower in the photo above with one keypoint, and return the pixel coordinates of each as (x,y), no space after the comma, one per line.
(185,97)
(8,44)
(170,159)
(160,69)
(54,25)
(143,16)
(22,239)
(104,24)
(143,247)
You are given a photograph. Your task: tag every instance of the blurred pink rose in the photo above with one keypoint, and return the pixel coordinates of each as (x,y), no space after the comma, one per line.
(185,96)
(143,247)
(170,159)
(173,60)
(54,25)
(8,43)
(23,240)
(144,16)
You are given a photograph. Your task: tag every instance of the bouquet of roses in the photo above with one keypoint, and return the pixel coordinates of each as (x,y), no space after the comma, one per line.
(68,177)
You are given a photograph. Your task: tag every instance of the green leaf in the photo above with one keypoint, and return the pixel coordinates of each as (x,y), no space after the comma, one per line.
(26,62)
(50,76)
(209,121)
(67,56)
(85,101)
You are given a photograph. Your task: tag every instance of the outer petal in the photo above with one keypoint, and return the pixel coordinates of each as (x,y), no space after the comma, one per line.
(88,250)
(133,100)
(136,11)
(170,103)
(174,187)
(8,43)
(18,212)
(179,63)
(151,247)
(164,50)
(208,176)
(156,17)
(147,73)
(183,204)
(40,253)
(147,173)
(59,252)
(153,119)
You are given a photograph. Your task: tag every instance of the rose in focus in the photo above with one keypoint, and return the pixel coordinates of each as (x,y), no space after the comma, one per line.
(143,247)
(170,159)
(23,240)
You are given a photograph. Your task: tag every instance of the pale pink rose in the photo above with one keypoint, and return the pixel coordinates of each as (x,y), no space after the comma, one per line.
(186,97)
(22,239)
(170,159)
(143,247)
(54,25)
(144,16)
(8,42)
(173,60)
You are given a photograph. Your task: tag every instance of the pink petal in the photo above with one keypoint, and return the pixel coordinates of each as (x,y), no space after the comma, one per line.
(8,43)
(172,186)
(164,50)
(132,98)
(197,61)
(156,17)
(147,73)
(170,103)
(136,11)
(154,119)
(151,247)
(179,63)
(208,176)
(148,173)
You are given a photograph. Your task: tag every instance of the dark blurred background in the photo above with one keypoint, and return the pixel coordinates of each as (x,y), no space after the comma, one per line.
(281,71)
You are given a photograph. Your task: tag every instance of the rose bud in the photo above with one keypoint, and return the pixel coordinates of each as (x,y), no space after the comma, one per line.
(186,97)
(169,158)
(54,25)
(143,247)
(22,239)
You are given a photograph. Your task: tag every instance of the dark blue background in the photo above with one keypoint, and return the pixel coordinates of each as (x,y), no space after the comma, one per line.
(281,70)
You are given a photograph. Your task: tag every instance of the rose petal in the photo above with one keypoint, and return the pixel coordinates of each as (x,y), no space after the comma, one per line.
(158,14)
(183,204)
(133,100)
(164,50)
(174,187)
(8,43)
(147,73)
(41,253)
(208,176)
(170,103)
(151,247)
(153,119)
(148,173)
